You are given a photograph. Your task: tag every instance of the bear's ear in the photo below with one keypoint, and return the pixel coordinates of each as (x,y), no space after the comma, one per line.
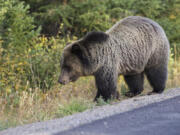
(76,49)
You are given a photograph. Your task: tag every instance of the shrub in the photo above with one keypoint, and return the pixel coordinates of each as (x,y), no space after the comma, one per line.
(82,16)
(27,60)
(17,27)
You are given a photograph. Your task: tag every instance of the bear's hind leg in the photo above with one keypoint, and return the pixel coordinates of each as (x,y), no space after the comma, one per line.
(135,84)
(157,77)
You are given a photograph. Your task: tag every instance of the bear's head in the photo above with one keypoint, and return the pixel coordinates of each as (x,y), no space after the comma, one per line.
(71,65)
(77,58)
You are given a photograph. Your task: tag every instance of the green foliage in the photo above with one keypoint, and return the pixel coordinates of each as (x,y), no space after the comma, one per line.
(43,62)
(82,16)
(101,101)
(73,107)
(37,67)
(6,124)
(27,61)
(124,89)
(16,25)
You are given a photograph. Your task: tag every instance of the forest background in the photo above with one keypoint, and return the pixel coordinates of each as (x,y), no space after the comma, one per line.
(33,34)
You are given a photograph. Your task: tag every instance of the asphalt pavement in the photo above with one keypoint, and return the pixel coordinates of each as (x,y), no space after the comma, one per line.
(161,118)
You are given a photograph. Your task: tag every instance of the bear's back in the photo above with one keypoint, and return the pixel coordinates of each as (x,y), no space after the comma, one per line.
(140,42)
(139,28)
(134,23)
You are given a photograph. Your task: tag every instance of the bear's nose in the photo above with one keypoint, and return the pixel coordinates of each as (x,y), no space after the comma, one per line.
(62,81)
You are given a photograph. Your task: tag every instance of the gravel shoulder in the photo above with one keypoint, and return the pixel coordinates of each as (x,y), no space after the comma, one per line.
(58,125)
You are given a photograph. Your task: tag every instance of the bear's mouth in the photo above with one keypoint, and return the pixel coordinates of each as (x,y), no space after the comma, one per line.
(62,82)
(67,80)
(73,79)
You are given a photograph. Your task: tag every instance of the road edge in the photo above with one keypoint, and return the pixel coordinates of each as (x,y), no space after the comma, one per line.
(58,125)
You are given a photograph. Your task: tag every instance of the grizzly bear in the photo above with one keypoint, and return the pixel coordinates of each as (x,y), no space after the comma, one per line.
(133,47)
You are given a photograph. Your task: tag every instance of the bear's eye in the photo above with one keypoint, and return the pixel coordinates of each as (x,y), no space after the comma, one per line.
(68,68)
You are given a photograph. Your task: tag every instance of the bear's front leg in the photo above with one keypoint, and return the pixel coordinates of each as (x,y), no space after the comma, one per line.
(106,83)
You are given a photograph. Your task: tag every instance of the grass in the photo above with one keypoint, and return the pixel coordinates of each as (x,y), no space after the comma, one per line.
(33,105)
(73,106)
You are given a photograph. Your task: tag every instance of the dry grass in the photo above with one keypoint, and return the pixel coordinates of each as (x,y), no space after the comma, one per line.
(33,105)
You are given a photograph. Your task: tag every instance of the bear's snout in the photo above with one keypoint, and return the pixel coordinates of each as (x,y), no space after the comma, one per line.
(63,79)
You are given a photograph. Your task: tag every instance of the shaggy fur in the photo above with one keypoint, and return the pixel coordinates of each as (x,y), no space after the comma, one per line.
(95,37)
(132,47)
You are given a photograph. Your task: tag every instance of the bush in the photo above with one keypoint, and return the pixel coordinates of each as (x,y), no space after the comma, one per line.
(82,16)
(37,67)
(27,60)
(17,27)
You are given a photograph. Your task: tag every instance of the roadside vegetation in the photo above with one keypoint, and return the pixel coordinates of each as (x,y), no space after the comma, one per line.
(32,37)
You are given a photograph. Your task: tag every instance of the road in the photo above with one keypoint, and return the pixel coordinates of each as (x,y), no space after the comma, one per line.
(157,114)
(161,118)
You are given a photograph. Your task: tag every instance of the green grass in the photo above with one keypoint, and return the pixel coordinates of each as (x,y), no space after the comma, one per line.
(7,124)
(73,107)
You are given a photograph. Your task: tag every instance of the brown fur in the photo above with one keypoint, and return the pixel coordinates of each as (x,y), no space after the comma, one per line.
(132,47)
